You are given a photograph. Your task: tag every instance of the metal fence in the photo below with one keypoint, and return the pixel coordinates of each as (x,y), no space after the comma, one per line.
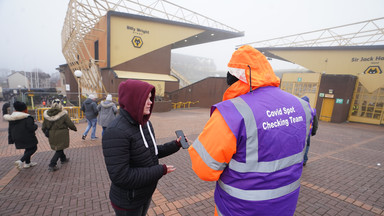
(73,112)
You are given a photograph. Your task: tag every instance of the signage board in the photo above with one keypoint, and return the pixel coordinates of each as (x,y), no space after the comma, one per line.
(339,100)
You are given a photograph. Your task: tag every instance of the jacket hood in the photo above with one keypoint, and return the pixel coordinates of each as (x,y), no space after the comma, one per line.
(16,115)
(132,97)
(54,114)
(246,62)
(106,104)
(88,101)
(305,98)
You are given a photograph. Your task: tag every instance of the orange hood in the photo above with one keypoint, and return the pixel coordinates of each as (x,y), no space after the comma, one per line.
(261,72)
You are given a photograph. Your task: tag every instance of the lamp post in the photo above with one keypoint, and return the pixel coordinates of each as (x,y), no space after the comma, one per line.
(20,94)
(78,74)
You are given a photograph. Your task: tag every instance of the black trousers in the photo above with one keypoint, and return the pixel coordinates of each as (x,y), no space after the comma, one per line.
(28,153)
(58,154)
(141,211)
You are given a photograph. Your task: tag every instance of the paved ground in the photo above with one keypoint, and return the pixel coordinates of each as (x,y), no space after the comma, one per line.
(344,175)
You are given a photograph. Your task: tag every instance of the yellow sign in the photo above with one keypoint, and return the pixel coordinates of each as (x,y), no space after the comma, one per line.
(373,70)
(137,41)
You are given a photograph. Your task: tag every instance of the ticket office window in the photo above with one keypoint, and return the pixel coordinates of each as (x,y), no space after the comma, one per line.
(299,88)
(368,105)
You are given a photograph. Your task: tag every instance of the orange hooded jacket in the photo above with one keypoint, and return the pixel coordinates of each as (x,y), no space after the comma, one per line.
(218,140)
(252,69)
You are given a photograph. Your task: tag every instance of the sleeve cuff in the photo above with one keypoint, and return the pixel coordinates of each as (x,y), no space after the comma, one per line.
(164,169)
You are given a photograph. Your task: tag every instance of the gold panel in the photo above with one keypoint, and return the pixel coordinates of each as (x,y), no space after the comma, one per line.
(131,38)
(159,85)
(353,62)
(144,76)
(371,81)
(301,77)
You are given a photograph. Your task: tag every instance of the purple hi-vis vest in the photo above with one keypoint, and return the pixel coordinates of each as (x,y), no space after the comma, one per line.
(263,177)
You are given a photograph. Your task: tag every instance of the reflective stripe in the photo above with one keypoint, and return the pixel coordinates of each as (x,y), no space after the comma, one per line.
(252,164)
(206,157)
(308,116)
(252,143)
(259,195)
(266,167)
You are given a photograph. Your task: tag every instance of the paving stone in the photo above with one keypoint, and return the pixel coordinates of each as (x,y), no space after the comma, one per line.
(341,177)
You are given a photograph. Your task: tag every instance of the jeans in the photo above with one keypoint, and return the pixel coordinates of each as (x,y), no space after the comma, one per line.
(91,124)
(58,154)
(141,211)
(27,154)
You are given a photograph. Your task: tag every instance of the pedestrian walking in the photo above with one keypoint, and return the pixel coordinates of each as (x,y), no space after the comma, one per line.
(6,108)
(89,108)
(58,123)
(253,143)
(107,112)
(21,132)
(314,126)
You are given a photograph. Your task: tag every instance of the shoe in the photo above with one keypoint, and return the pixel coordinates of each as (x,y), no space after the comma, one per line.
(53,169)
(95,138)
(83,137)
(19,164)
(66,161)
(304,163)
(32,164)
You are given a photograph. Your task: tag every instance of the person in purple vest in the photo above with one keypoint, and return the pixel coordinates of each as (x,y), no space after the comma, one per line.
(254,141)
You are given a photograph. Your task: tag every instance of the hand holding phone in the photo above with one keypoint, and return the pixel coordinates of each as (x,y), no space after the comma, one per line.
(183,140)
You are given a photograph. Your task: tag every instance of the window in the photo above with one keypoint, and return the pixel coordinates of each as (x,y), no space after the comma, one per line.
(299,88)
(368,105)
(97,50)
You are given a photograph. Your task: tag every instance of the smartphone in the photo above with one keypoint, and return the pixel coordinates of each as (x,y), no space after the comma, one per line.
(183,141)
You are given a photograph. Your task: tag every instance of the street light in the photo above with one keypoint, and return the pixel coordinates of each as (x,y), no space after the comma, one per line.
(78,74)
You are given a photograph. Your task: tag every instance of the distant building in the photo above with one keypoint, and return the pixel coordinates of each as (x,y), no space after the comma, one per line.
(29,80)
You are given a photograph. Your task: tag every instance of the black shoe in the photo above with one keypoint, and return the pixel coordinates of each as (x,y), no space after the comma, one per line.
(83,137)
(66,161)
(53,169)
(304,163)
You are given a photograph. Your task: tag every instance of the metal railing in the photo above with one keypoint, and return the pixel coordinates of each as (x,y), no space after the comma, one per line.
(179,105)
(83,15)
(364,33)
(74,113)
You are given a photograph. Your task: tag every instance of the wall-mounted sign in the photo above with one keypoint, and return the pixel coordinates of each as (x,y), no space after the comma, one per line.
(373,70)
(347,101)
(329,95)
(137,41)
(367,58)
(330,91)
(339,100)
(321,94)
(299,79)
(67,87)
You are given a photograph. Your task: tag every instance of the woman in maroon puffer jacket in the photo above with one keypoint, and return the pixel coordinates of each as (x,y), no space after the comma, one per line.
(131,153)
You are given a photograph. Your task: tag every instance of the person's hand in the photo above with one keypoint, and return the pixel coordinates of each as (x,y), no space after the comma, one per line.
(178,139)
(170,168)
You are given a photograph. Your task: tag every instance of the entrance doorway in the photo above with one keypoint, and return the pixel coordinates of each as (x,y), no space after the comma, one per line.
(327,109)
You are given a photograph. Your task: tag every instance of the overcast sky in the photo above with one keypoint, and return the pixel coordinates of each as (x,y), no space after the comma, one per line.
(30,35)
